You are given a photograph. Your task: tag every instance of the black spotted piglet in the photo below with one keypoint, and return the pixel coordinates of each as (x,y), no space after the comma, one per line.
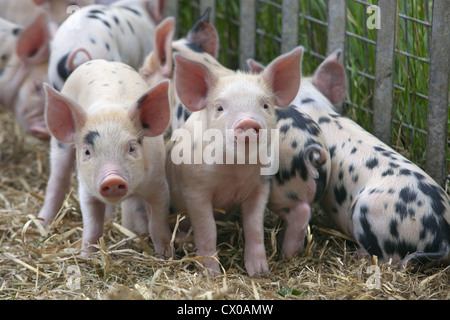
(304,171)
(388,204)
(302,176)
(122,31)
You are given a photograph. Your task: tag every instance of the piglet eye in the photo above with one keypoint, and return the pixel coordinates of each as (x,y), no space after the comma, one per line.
(132,149)
(266,106)
(87,152)
(219,108)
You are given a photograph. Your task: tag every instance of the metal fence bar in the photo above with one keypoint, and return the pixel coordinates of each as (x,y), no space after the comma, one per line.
(172,11)
(438,95)
(172,8)
(384,71)
(247,32)
(289,27)
(337,25)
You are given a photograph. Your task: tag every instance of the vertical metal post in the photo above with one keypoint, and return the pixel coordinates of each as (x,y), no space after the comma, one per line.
(289,27)
(337,26)
(247,32)
(204,4)
(438,91)
(384,71)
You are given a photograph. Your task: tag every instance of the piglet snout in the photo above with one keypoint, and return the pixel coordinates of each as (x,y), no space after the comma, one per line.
(40,132)
(247,128)
(113,186)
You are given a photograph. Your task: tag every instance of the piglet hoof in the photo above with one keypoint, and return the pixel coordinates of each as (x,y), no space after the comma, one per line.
(164,252)
(423,261)
(257,269)
(211,266)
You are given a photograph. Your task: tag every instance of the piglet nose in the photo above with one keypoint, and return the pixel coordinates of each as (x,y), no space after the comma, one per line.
(247,128)
(113,186)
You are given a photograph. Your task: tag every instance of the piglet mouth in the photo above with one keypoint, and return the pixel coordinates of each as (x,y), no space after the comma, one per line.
(247,130)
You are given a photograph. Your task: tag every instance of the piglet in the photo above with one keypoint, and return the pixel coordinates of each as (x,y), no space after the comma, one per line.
(23,68)
(108,119)
(390,206)
(24,11)
(302,178)
(304,172)
(235,112)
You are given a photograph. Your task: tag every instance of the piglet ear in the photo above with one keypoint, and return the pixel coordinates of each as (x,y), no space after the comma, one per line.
(255,66)
(156,9)
(204,35)
(330,79)
(153,110)
(163,45)
(283,75)
(193,80)
(34,42)
(62,115)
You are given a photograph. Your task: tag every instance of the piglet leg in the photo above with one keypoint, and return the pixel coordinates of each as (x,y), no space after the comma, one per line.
(62,159)
(253,222)
(158,222)
(205,232)
(296,223)
(93,212)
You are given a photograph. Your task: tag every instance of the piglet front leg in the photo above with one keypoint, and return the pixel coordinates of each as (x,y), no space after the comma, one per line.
(93,218)
(62,159)
(205,232)
(158,220)
(253,223)
(296,220)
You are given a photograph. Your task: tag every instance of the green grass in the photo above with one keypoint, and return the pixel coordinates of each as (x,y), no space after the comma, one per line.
(411,73)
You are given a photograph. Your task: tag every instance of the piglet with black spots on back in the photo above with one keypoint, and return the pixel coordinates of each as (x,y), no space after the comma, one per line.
(122,31)
(388,204)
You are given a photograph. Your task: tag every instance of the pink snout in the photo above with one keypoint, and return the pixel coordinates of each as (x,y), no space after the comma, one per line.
(247,128)
(113,186)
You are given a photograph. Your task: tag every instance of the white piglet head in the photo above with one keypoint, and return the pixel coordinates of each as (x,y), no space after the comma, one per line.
(109,145)
(241,104)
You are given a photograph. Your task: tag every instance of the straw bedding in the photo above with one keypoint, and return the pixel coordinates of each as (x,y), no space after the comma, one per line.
(37,263)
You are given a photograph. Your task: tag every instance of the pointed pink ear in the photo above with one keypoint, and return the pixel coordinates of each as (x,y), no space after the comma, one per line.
(153,110)
(163,45)
(34,42)
(283,75)
(62,115)
(255,66)
(204,35)
(193,80)
(330,79)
